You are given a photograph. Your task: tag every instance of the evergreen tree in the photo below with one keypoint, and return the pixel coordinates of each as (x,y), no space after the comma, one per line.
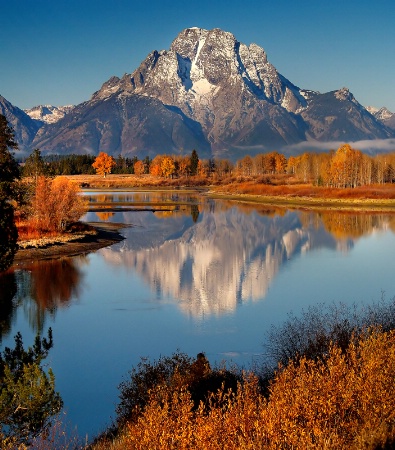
(28,399)
(35,166)
(147,164)
(9,170)
(194,162)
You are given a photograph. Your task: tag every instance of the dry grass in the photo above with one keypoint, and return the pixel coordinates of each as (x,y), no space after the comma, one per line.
(29,236)
(252,187)
(120,181)
(268,186)
(27,230)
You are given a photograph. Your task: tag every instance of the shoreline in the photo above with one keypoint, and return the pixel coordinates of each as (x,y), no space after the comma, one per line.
(106,234)
(314,203)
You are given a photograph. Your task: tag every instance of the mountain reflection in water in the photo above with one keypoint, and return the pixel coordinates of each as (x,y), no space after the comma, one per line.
(209,257)
(229,257)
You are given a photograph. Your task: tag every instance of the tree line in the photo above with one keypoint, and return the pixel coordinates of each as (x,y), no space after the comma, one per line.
(342,168)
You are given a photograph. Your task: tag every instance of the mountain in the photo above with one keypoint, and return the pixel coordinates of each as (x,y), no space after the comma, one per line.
(123,124)
(384,115)
(48,113)
(25,128)
(212,93)
(337,116)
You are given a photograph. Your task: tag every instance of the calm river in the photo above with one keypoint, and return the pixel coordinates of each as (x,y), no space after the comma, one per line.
(197,275)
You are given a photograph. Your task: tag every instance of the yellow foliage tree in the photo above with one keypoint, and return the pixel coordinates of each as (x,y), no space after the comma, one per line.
(56,203)
(168,167)
(103,164)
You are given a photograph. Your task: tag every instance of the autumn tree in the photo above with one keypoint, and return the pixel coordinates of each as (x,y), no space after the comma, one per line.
(223,167)
(245,166)
(291,165)
(56,203)
(280,163)
(167,166)
(203,168)
(104,164)
(184,166)
(345,167)
(155,168)
(139,168)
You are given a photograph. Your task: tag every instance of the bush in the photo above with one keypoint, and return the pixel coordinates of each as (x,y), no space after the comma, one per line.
(321,326)
(345,400)
(56,203)
(173,374)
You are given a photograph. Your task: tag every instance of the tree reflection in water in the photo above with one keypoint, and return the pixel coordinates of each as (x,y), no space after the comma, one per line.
(353,225)
(40,288)
(8,302)
(8,235)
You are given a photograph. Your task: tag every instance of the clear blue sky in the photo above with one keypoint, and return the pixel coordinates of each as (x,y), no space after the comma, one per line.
(61,51)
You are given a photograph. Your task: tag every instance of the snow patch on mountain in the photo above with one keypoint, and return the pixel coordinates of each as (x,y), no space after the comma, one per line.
(48,113)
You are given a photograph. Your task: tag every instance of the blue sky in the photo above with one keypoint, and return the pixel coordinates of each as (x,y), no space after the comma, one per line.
(61,51)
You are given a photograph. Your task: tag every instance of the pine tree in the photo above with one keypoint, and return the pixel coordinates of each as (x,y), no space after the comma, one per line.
(194,162)
(35,166)
(28,400)
(9,170)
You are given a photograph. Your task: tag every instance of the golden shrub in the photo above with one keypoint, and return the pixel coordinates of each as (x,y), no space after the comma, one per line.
(345,400)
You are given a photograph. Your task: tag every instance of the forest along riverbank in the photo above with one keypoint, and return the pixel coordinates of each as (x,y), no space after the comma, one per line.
(100,235)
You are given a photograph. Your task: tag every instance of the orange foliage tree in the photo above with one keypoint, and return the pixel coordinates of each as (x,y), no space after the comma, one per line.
(104,164)
(56,203)
(138,168)
(156,166)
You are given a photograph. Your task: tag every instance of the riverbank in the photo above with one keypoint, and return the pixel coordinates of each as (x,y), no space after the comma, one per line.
(367,198)
(312,203)
(96,236)
(273,190)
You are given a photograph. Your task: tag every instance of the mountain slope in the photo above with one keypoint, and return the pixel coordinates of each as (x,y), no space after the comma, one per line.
(123,124)
(337,115)
(25,128)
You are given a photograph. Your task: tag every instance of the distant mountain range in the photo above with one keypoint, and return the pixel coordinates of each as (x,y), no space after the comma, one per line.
(208,92)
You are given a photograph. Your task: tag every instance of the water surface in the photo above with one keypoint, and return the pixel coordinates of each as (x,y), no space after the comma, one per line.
(199,275)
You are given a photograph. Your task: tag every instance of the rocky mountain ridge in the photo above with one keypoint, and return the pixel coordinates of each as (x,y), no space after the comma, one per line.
(383,115)
(212,93)
(25,127)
